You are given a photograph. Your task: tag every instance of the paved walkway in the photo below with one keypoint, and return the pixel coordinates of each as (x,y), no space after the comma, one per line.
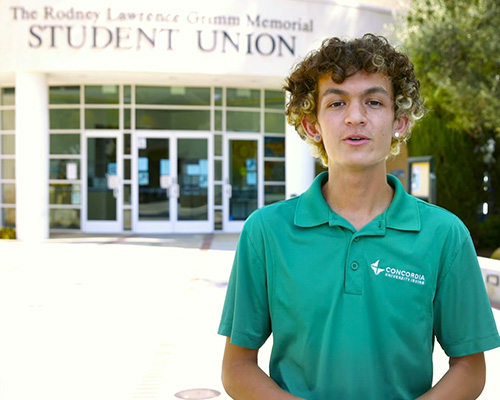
(119,318)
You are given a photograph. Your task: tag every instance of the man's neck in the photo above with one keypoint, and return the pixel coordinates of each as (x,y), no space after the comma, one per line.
(358,196)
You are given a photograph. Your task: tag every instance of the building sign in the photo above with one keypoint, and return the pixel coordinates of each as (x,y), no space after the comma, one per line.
(250,37)
(78,28)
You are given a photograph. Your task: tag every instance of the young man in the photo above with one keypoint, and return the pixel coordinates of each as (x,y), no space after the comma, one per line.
(355,278)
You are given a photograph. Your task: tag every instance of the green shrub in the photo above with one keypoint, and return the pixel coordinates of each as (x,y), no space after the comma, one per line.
(7,233)
(488,232)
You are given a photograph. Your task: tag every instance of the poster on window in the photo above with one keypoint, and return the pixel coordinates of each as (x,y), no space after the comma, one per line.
(251,165)
(143,178)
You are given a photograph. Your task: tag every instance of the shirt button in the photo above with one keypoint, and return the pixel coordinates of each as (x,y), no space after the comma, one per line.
(354,266)
(356,239)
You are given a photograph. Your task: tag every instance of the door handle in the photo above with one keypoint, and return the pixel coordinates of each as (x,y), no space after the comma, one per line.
(229,190)
(173,190)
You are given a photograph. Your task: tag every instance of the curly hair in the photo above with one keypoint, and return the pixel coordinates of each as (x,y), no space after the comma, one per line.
(342,59)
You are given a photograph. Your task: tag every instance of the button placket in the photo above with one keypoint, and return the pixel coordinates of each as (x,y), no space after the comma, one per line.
(353,272)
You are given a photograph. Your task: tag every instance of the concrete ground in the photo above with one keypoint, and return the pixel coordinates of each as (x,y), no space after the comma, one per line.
(119,318)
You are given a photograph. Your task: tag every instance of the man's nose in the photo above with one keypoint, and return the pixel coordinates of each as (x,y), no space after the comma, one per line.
(355,114)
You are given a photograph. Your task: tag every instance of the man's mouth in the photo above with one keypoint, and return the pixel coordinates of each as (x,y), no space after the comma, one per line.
(357,140)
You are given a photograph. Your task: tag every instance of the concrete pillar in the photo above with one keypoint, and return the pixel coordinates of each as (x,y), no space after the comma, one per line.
(32,153)
(300,164)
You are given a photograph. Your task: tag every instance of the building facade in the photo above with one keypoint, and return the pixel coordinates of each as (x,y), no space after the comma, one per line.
(154,117)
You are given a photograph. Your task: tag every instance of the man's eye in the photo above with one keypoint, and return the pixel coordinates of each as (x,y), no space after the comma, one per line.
(336,104)
(374,103)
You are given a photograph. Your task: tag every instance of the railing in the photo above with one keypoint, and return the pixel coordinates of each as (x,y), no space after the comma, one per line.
(491,275)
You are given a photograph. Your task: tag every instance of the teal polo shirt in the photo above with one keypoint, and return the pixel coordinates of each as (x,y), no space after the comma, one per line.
(354,314)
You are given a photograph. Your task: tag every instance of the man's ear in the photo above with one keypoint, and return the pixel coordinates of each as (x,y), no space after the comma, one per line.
(310,127)
(401,125)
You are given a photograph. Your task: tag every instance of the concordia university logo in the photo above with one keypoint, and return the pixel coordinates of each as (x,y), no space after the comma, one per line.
(399,274)
(375,268)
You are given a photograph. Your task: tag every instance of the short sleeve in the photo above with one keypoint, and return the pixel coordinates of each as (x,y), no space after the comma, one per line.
(245,316)
(463,319)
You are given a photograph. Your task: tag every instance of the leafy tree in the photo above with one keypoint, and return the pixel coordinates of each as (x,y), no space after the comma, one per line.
(459,170)
(455,46)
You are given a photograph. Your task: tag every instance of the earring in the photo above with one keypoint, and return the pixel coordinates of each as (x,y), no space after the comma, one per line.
(397,135)
(317,138)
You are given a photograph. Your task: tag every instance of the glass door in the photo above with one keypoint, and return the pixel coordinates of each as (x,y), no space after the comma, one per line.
(243,192)
(154,184)
(103,203)
(172,190)
(194,181)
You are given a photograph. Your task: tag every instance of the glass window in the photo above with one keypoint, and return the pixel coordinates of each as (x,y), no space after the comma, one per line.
(103,94)
(218,195)
(101,161)
(126,143)
(241,121)
(218,170)
(127,168)
(127,220)
(64,119)
(8,193)
(172,95)
(8,217)
(274,147)
(127,94)
(127,122)
(8,169)
(218,145)
(274,171)
(218,120)
(99,118)
(218,96)
(7,97)
(66,143)
(65,218)
(275,99)
(274,193)
(8,144)
(64,169)
(64,193)
(218,220)
(8,119)
(127,195)
(64,95)
(274,123)
(243,98)
(173,119)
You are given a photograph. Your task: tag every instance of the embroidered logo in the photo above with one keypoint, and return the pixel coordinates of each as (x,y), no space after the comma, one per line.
(375,267)
(399,274)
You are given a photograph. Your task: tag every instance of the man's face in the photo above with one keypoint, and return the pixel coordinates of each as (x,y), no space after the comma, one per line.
(355,120)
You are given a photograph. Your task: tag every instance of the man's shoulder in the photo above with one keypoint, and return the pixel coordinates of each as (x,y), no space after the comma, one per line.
(276,213)
(434,216)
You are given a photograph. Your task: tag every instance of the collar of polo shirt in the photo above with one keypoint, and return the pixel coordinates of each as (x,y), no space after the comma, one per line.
(402,214)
